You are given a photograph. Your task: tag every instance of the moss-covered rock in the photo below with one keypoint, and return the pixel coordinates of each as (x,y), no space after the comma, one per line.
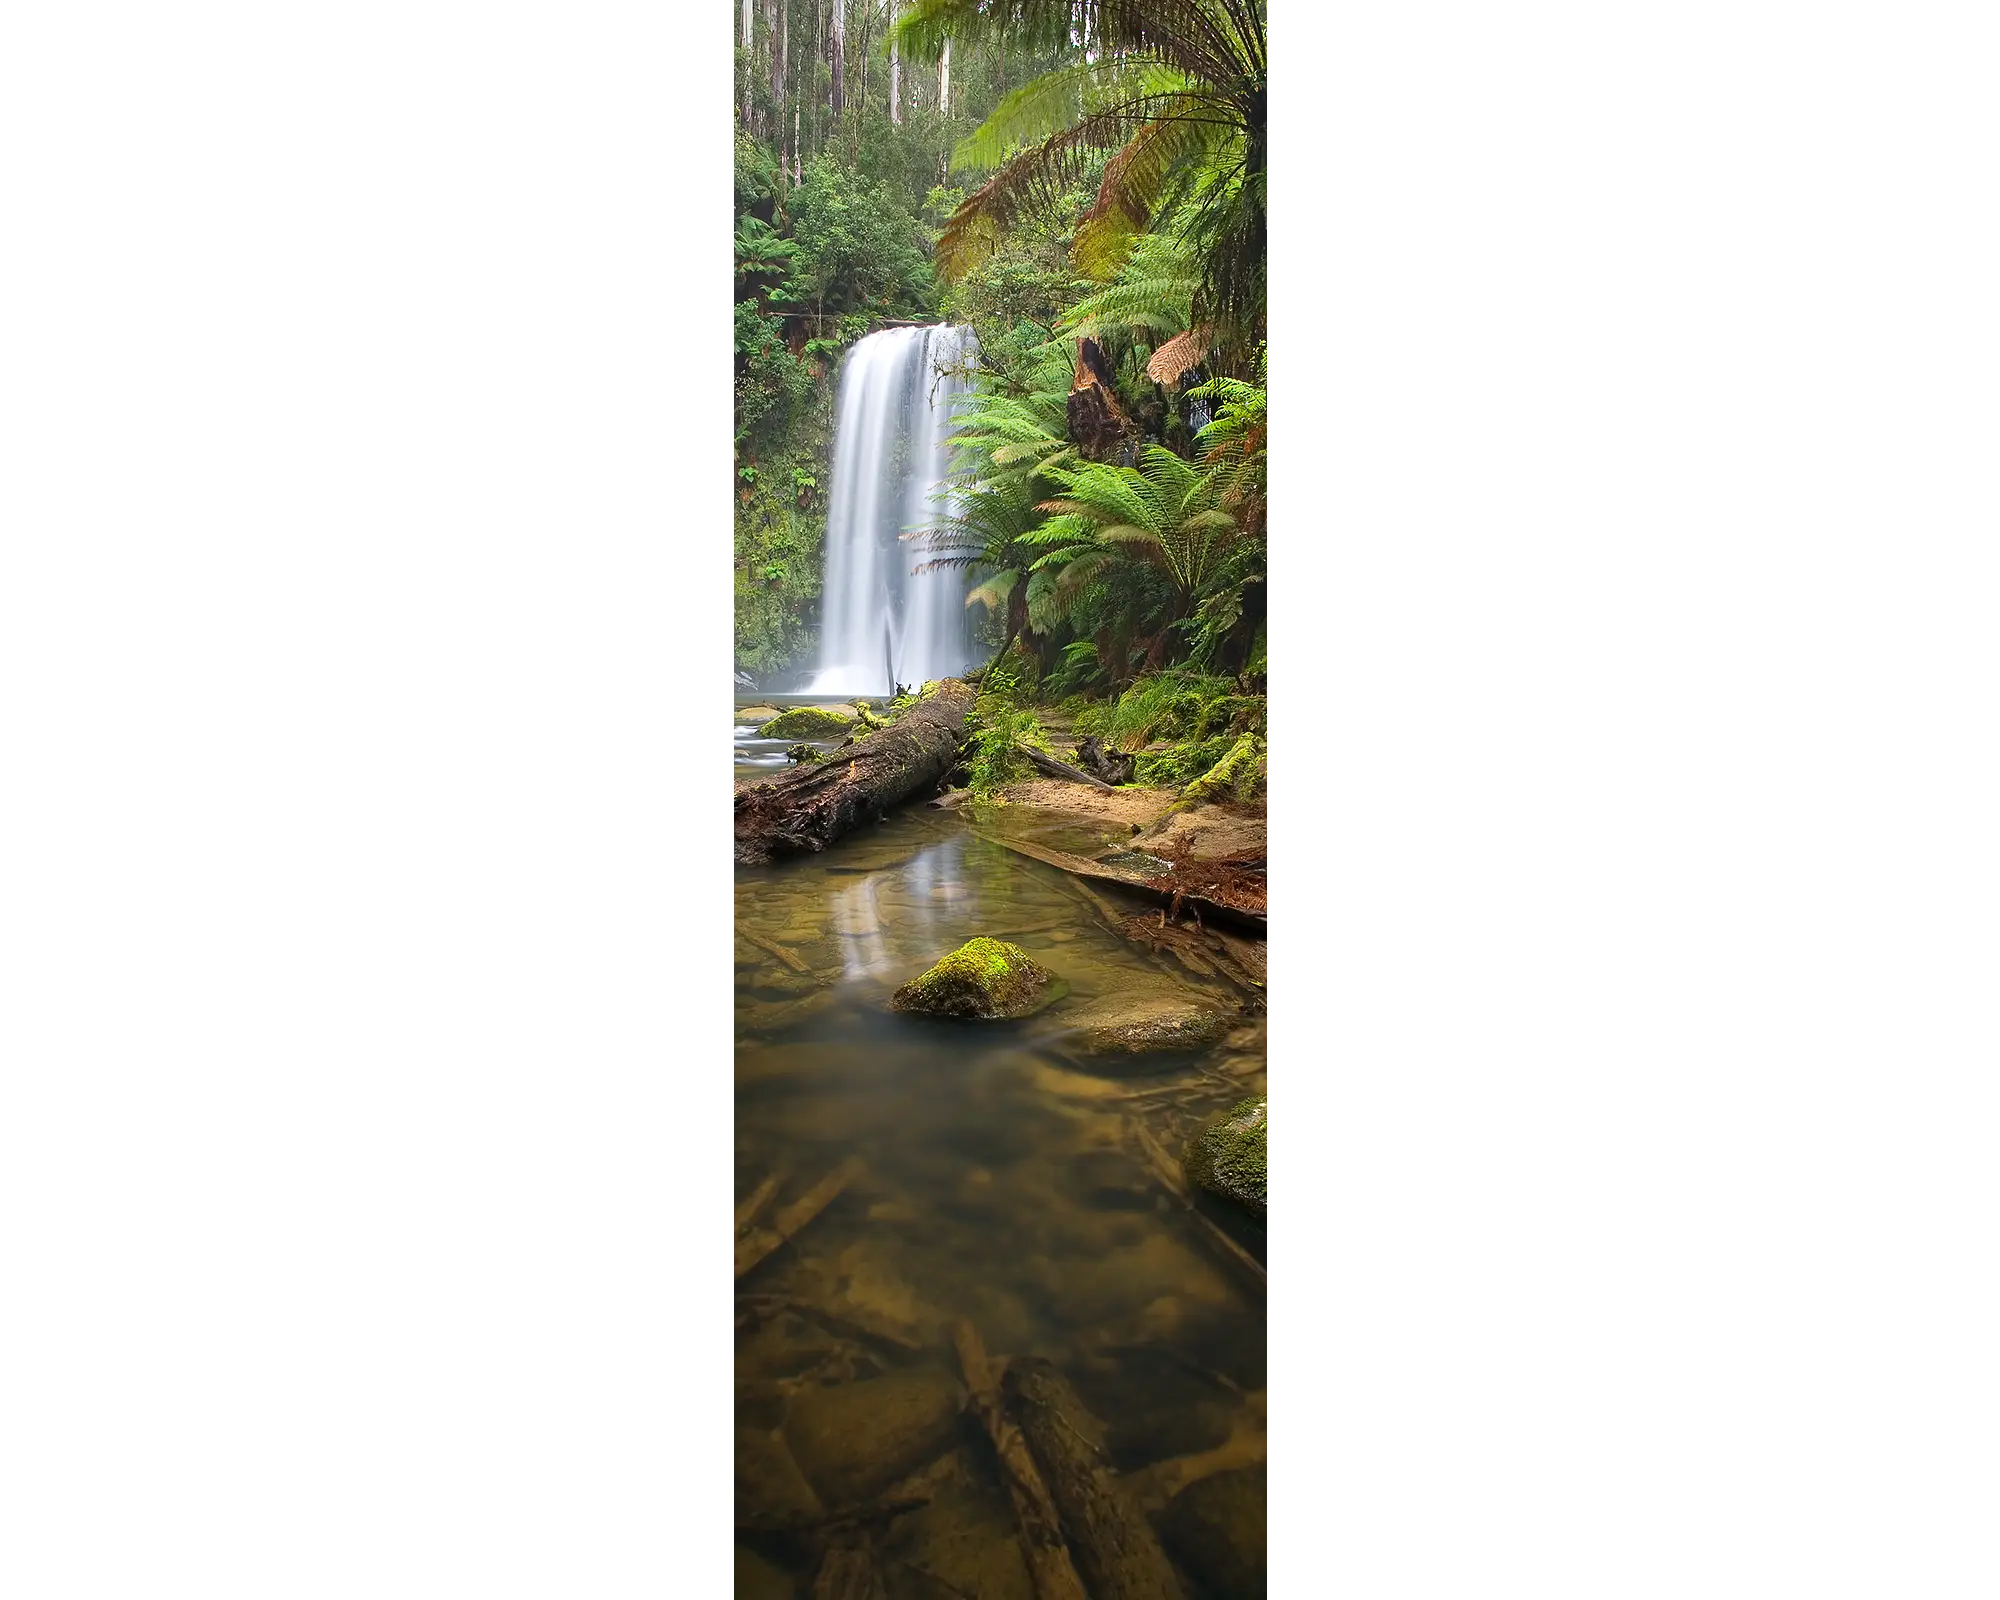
(984,979)
(806,722)
(1227,1157)
(1237,776)
(750,716)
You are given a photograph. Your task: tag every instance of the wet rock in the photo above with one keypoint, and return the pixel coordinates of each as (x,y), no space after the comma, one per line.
(965,1536)
(785,1346)
(983,979)
(852,1440)
(1155,1407)
(1142,1021)
(1215,1527)
(1227,1157)
(768,1480)
(750,716)
(806,722)
(758,1578)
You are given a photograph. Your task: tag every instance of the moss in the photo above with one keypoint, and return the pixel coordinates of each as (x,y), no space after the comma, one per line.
(806,722)
(984,979)
(1180,763)
(1227,1157)
(1235,776)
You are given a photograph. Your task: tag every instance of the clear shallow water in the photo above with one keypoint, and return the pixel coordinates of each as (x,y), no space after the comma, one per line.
(1002,1179)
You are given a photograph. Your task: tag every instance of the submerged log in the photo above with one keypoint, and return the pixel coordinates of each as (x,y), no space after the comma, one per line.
(1042,1547)
(1115,1549)
(809,807)
(753,1245)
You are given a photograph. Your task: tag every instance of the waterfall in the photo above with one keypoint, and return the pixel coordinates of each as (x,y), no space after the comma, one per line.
(880,623)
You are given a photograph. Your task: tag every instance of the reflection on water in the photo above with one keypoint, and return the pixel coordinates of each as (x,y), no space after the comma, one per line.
(1002,1176)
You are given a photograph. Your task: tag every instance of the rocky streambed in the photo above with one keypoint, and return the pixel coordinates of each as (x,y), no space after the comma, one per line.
(952,1229)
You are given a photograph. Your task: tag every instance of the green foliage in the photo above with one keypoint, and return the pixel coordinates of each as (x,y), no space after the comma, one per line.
(779,530)
(1172,91)
(1238,774)
(1152,294)
(1181,763)
(859,247)
(996,726)
(1182,706)
(1091,199)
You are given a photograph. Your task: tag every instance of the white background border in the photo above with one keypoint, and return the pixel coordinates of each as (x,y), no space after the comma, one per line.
(366,1057)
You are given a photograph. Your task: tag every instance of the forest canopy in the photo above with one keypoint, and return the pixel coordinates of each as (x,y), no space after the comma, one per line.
(1082,183)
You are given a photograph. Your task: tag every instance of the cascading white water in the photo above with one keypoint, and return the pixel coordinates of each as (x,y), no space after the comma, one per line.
(881,623)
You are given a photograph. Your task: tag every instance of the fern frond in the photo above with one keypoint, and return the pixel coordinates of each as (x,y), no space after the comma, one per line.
(1050,103)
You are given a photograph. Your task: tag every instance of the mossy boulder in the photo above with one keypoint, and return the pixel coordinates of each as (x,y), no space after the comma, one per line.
(806,722)
(1227,1157)
(1237,776)
(983,979)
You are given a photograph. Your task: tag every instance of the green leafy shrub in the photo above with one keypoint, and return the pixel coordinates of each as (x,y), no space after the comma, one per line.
(997,725)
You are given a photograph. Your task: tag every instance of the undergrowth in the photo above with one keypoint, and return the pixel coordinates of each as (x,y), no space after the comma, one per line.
(999,722)
(1181,706)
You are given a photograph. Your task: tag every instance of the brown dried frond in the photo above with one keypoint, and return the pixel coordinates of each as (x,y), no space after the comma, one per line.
(1180,353)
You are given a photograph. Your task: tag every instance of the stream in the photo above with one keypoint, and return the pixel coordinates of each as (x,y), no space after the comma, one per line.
(999,1175)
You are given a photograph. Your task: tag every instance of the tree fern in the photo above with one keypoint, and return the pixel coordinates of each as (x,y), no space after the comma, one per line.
(1174,91)
(1153,294)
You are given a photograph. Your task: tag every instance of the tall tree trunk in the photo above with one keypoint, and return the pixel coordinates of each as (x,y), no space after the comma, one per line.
(749,67)
(944,109)
(836,96)
(895,86)
(781,41)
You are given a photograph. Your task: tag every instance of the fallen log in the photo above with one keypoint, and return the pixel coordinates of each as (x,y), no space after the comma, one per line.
(1113,766)
(1159,889)
(1060,769)
(758,1198)
(790,958)
(809,807)
(1042,1547)
(1114,1547)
